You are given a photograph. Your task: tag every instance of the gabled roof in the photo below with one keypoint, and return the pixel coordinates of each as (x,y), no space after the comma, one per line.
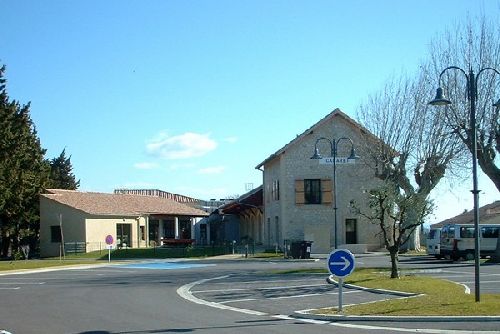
(485,213)
(120,204)
(252,199)
(335,113)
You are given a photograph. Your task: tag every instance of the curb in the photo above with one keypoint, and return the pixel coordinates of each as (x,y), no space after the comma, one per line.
(341,317)
(306,314)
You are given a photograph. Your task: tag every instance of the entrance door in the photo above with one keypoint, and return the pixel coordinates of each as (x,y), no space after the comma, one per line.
(203,234)
(154,227)
(350,231)
(123,236)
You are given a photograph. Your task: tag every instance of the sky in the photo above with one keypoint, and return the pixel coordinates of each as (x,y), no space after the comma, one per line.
(190,96)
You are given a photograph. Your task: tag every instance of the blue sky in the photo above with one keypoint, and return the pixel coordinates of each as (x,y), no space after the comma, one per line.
(189,96)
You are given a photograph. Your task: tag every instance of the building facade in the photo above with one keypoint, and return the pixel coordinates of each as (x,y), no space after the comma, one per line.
(298,192)
(85,219)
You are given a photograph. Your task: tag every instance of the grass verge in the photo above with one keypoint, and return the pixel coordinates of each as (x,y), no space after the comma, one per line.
(37,264)
(439,297)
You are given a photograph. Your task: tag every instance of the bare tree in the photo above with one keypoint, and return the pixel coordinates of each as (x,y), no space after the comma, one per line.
(471,45)
(397,214)
(415,147)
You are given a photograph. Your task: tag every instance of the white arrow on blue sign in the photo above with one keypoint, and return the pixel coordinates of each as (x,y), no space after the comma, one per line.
(341,262)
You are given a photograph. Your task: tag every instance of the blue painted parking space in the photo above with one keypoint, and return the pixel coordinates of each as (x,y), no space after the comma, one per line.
(164,265)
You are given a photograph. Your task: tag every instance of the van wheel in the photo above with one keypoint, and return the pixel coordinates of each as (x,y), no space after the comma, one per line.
(469,256)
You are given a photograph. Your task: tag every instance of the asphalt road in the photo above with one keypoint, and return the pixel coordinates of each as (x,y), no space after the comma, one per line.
(215,296)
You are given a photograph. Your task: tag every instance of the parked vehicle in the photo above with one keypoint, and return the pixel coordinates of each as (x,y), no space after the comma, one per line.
(457,240)
(434,243)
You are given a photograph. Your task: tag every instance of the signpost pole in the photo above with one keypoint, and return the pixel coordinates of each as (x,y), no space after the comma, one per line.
(109,244)
(341,263)
(341,283)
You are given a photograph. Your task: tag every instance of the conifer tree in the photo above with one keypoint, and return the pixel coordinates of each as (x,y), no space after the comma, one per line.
(61,173)
(23,174)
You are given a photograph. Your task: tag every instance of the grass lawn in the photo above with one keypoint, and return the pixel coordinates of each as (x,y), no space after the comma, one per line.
(439,297)
(36,264)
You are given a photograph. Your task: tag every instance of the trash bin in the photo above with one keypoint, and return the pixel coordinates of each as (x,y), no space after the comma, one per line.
(306,249)
(296,249)
(301,249)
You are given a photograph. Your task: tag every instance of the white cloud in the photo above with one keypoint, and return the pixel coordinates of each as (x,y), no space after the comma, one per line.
(212,170)
(146,165)
(187,145)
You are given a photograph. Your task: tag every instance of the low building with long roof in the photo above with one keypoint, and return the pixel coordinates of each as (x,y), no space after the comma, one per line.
(70,217)
(488,214)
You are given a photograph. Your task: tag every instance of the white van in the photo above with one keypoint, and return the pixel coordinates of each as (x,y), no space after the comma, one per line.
(457,240)
(434,242)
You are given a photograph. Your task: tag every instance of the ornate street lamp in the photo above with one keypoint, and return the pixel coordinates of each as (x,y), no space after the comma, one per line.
(441,100)
(317,156)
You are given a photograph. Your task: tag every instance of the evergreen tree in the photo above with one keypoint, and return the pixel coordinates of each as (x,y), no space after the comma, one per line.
(23,174)
(61,173)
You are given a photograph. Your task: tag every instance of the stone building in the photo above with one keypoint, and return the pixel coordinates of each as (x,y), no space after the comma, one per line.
(298,191)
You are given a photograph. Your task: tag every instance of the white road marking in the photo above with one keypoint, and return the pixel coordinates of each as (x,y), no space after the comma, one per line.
(283,317)
(312,295)
(218,290)
(310,321)
(277,281)
(290,287)
(295,296)
(184,292)
(268,288)
(237,300)
(412,330)
(23,283)
(482,281)
(16,288)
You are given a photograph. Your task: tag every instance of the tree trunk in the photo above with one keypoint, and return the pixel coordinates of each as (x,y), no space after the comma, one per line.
(414,241)
(6,244)
(394,262)
(487,164)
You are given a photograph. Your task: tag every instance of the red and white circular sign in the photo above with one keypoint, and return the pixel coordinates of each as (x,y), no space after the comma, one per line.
(109,239)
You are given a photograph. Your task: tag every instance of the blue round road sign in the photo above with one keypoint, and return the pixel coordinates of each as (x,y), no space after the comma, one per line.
(340,262)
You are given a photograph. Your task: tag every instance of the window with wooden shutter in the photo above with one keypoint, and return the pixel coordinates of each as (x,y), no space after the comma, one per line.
(326,191)
(299,192)
(312,191)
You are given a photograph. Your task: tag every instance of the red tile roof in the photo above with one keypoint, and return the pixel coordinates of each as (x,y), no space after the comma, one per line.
(485,213)
(120,204)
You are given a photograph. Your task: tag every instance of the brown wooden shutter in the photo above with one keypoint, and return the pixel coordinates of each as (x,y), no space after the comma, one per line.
(299,192)
(326,191)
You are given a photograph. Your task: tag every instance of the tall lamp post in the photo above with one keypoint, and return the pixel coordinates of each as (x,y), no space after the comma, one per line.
(441,100)
(334,143)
